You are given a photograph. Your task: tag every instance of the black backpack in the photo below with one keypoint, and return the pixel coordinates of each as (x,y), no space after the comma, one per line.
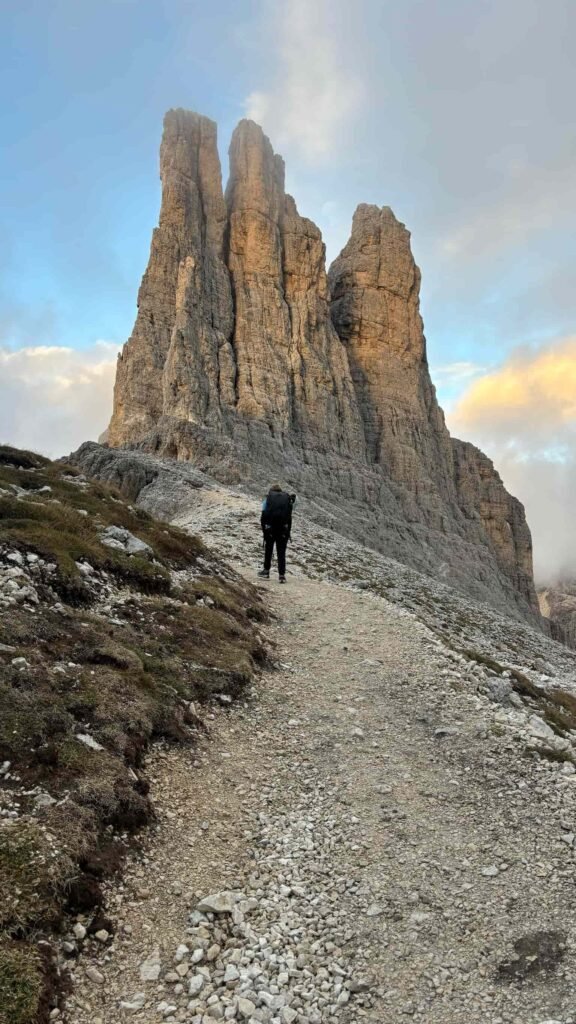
(278,510)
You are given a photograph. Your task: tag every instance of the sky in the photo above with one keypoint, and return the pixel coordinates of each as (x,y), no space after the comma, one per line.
(456,113)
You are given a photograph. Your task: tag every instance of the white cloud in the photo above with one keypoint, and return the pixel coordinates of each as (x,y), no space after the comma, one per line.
(523,414)
(52,398)
(313,94)
(455,373)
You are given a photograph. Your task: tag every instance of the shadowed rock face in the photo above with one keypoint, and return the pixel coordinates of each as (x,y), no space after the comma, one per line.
(558,605)
(247,360)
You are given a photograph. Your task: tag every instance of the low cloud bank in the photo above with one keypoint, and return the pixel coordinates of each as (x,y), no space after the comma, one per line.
(523,414)
(52,398)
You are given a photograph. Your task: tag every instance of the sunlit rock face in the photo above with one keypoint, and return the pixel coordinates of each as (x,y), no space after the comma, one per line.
(179,358)
(252,362)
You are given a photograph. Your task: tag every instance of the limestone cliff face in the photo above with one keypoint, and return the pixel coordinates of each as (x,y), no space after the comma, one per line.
(375,286)
(293,373)
(248,360)
(185,294)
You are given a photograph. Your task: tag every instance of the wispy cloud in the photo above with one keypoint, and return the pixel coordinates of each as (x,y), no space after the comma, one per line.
(313,94)
(455,373)
(523,414)
(52,398)
(527,201)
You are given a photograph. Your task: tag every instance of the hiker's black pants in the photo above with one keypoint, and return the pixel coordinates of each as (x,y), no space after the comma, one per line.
(280,540)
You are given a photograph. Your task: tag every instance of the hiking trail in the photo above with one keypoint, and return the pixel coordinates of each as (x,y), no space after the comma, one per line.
(389,856)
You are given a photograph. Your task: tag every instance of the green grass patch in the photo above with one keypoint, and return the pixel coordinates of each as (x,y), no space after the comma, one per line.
(21,983)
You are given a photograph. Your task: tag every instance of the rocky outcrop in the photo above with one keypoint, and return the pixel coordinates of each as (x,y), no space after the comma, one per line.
(250,362)
(485,501)
(558,605)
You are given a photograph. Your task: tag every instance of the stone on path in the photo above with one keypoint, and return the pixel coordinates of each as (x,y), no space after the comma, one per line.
(218,903)
(151,967)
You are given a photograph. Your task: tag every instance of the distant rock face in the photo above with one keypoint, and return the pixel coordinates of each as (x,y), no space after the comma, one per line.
(248,360)
(558,605)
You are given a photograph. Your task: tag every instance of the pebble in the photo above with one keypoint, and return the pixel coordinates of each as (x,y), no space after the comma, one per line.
(93,974)
(135,1003)
(151,967)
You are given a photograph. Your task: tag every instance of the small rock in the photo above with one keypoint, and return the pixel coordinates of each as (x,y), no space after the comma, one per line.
(94,975)
(246,1007)
(540,729)
(374,910)
(358,985)
(88,741)
(196,984)
(151,967)
(491,871)
(134,1004)
(217,903)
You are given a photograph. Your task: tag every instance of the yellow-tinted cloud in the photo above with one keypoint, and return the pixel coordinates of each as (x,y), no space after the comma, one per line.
(530,397)
(52,398)
(523,415)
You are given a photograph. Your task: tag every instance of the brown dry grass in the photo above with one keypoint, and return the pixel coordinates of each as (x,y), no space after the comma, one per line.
(123,682)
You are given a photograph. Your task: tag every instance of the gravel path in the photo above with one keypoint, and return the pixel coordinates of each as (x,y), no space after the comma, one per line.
(379,847)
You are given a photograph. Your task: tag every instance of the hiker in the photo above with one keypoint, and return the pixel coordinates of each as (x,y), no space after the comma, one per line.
(276,523)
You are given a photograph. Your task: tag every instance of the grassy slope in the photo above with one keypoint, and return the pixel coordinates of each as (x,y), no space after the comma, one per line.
(116,647)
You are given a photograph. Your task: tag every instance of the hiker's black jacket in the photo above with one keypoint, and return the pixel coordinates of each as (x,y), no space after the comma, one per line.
(276,516)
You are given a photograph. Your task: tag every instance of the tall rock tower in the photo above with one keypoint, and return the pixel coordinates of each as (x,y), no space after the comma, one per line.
(248,359)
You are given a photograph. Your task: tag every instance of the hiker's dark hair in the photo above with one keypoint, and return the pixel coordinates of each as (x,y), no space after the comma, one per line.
(275,487)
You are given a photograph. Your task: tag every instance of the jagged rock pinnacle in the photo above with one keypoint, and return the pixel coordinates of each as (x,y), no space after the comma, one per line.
(249,361)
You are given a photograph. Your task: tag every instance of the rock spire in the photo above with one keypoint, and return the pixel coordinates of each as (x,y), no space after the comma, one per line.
(249,360)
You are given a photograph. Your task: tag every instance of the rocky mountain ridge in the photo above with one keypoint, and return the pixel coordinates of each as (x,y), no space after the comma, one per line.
(252,362)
